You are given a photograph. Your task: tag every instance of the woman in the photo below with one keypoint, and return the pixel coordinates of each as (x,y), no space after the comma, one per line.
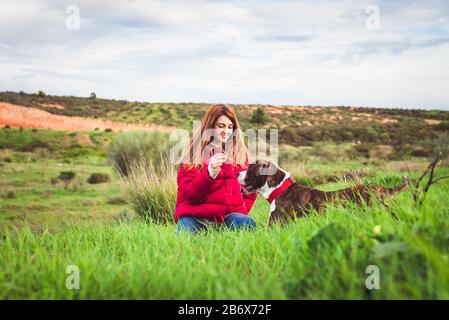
(208,190)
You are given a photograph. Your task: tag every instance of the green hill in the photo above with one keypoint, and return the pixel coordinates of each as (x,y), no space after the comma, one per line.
(409,132)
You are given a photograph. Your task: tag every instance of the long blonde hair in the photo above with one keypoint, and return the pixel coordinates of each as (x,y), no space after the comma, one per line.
(192,155)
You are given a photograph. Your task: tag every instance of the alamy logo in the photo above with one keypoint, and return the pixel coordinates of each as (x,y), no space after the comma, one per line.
(72,22)
(373,19)
(73,280)
(373,280)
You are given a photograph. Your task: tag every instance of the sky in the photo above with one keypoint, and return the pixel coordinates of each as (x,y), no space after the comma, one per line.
(392,54)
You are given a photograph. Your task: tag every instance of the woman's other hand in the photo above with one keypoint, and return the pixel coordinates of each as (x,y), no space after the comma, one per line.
(215,163)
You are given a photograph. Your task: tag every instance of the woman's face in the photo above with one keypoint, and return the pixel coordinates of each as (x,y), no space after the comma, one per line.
(223,128)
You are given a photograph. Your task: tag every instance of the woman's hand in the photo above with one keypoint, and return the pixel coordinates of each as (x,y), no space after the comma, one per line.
(215,163)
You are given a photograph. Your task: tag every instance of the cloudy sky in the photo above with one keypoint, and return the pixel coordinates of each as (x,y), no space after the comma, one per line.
(362,53)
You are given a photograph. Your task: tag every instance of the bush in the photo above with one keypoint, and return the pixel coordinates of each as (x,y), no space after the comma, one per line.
(34,145)
(151,195)
(66,177)
(133,146)
(259,116)
(96,178)
(10,195)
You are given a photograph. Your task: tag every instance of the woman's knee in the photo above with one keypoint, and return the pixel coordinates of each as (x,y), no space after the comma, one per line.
(188,224)
(237,220)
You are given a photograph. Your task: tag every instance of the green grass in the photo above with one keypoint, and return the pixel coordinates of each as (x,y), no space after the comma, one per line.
(319,257)
(60,144)
(47,228)
(37,201)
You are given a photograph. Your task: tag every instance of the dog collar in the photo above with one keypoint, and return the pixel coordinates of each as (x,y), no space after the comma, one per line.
(284,186)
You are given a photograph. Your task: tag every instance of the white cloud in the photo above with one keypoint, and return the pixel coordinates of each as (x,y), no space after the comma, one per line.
(278,52)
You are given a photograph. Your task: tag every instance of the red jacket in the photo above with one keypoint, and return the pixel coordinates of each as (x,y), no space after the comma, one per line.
(201,196)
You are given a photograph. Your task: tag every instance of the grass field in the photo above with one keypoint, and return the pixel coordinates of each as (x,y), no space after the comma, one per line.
(315,258)
(47,227)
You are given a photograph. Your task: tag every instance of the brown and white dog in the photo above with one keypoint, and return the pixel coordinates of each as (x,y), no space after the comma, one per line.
(289,199)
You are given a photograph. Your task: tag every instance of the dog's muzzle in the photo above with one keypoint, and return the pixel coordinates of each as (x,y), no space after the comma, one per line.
(244,188)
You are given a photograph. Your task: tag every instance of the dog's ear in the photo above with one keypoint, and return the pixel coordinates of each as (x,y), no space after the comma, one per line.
(275,179)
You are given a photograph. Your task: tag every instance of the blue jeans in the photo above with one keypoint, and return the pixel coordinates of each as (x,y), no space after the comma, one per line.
(233,221)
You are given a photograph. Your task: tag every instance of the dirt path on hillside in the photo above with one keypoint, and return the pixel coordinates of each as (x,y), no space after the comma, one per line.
(27,117)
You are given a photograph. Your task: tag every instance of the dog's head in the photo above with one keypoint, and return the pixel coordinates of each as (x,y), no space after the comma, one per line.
(260,175)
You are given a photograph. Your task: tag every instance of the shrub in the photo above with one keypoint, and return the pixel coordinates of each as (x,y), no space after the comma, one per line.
(66,177)
(151,195)
(133,146)
(33,145)
(96,178)
(259,116)
(10,195)
(41,94)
